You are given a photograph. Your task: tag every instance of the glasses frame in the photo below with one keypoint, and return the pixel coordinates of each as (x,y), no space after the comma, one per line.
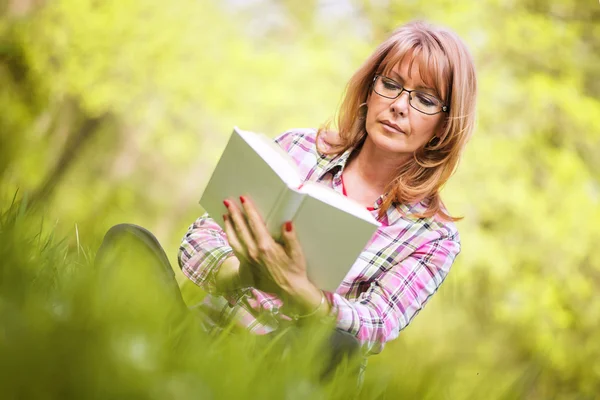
(445,108)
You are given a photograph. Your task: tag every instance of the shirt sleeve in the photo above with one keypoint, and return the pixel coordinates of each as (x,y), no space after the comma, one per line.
(202,251)
(299,140)
(396,296)
(285,139)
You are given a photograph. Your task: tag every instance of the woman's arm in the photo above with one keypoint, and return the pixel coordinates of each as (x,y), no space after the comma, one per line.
(388,306)
(206,258)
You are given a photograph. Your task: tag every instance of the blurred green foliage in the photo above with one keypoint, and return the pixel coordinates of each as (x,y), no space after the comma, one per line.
(116,111)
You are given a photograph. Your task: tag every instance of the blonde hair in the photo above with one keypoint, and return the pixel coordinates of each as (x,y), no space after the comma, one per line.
(446,65)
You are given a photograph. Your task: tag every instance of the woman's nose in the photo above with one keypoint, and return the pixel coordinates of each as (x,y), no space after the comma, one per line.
(401,103)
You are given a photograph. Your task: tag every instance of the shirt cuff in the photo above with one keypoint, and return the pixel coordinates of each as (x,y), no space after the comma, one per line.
(334,309)
(343,314)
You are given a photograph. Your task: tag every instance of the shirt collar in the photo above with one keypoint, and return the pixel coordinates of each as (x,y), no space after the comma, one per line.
(335,164)
(403,211)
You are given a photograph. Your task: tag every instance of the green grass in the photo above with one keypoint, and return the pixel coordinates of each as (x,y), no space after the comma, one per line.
(71,331)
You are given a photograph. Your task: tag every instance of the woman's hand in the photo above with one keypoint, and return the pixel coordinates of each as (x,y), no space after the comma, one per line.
(283,264)
(277,268)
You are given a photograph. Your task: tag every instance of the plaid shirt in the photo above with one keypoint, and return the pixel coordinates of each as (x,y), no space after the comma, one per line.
(397,272)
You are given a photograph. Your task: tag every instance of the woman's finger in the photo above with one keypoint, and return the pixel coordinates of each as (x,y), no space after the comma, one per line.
(257,224)
(290,242)
(232,236)
(241,228)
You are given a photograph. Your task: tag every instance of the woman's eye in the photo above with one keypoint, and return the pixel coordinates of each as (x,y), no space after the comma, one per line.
(425,100)
(390,85)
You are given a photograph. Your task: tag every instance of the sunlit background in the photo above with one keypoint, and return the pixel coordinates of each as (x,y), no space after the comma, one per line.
(117,111)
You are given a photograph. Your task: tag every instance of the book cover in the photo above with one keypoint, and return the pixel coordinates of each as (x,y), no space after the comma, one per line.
(331,228)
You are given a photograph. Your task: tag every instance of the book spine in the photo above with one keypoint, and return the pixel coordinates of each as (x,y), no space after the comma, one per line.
(284,210)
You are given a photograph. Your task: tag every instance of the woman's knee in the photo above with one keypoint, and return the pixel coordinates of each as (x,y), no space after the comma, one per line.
(120,230)
(128,234)
(126,238)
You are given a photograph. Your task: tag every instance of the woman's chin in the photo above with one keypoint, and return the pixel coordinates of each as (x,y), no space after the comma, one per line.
(389,144)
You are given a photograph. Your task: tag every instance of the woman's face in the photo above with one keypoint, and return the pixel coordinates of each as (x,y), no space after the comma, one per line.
(392,125)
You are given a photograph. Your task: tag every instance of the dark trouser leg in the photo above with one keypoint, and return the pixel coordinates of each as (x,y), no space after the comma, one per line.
(132,259)
(342,345)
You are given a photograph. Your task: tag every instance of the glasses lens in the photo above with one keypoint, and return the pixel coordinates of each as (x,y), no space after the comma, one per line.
(425,103)
(387,88)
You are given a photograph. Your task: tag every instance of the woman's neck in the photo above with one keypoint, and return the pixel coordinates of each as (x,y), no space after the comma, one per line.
(373,167)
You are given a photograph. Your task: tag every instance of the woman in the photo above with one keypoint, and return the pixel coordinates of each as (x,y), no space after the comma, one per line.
(406,116)
(404,121)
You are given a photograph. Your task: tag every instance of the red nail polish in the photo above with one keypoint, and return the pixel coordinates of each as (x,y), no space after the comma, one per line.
(288,226)
(226,203)
(242,199)
(224,217)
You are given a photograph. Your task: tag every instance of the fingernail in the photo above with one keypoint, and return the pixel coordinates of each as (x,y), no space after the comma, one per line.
(288,226)
(226,203)
(242,199)
(224,217)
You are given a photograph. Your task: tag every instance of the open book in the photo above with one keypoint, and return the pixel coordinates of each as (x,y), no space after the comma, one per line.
(332,229)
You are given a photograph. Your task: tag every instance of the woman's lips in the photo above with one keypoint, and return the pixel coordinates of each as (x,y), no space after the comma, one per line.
(391,128)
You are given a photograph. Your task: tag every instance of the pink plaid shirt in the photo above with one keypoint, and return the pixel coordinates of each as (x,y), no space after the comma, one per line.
(400,268)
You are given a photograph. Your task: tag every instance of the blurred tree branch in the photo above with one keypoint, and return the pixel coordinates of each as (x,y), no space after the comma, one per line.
(82,129)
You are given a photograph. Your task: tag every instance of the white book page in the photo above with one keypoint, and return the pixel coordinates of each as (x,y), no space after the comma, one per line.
(330,196)
(273,155)
(252,165)
(332,239)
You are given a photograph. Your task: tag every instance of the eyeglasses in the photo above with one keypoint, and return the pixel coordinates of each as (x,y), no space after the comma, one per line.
(420,101)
